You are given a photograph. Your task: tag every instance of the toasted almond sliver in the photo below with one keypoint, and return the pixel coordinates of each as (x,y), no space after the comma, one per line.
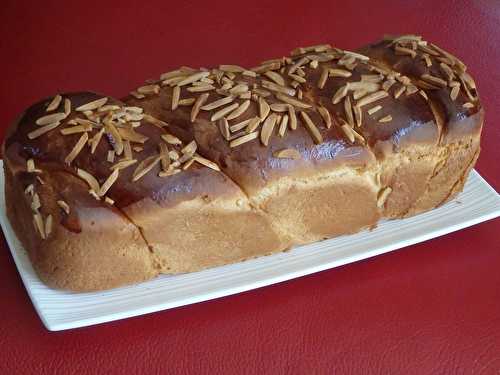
(382,196)
(253,124)
(122,164)
(54,103)
(176,93)
(77,148)
(95,140)
(348,132)
(293,117)
(193,78)
(38,222)
(76,129)
(48,225)
(374,109)
(145,166)
(131,135)
(373,97)
(224,128)
(64,206)
(91,180)
(339,94)
(325,115)
(240,125)
(276,77)
(50,119)
(218,103)
(239,111)
(468,105)
(277,88)
(244,139)
(111,156)
(279,107)
(113,132)
(387,118)
(190,148)
(95,104)
(171,139)
(311,127)
(339,73)
(348,111)
(206,162)
(264,108)
(267,128)
(239,89)
(42,130)
(283,126)
(231,68)
(108,183)
(197,105)
(454,92)
(223,112)
(289,100)
(288,153)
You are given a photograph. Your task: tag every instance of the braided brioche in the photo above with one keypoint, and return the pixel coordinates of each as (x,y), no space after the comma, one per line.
(205,167)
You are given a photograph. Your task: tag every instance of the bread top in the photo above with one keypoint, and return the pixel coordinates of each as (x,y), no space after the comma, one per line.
(316,110)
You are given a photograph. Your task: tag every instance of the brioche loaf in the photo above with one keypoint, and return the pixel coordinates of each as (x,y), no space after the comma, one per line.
(206,167)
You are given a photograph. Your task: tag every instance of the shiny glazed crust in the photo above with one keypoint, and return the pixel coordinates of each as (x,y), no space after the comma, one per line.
(207,167)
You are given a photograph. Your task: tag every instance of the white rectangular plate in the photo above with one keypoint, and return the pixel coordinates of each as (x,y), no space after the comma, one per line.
(64,310)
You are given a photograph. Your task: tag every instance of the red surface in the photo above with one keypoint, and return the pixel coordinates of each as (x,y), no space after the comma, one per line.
(433,308)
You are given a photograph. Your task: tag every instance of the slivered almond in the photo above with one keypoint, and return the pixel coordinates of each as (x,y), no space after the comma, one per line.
(293,117)
(54,103)
(173,73)
(373,97)
(239,111)
(240,125)
(283,126)
(165,159)
(95,140)
(29,189)
(95,104)
(358,115)
(434,80)
(193,78)
(176,94)
(50,119)
(197,105)
(38,223)
(201,88)
(400,90)
(279,107)
(244,139)
(276,77)
(288,153)
(91,180)
(264,108)
(190,148)
(67,107)
(112,132)
(323,78)
(382,196)
(304,60)
(289,100)
(111,156)
(145,166)
(77,148)
(340,94)
(30,167)
(131,135)
(267,128)
(64,206)
(231,68)
(122,164)
(35,202)
(374,109)
(224,128)
(348,132)
(239,89)
(108,183)
(454,92)
(325,115)
(76,129)
(108,200)
(311,127)
(387,84)
(405,51)
(218,103)
(387,118)
(206,162)
(348,111)
(424,95)
(277,88)
(187,101)
(339,73)
(223,112)
(136,95)
(253,124)
(127,150)
(468,105)
(171,139)
(42,130)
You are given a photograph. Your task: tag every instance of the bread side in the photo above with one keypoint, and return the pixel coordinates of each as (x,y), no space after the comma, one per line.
(207,167)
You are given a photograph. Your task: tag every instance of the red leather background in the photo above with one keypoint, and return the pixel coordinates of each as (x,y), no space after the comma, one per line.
(433,308)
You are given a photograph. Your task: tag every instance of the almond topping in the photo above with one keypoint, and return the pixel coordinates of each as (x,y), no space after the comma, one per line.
(253,124)
(325,115)
(197,106)
(224,111)
(293,117)
(64,206)
(382,196)
(372,110)
(267,128)
(206,162)
(283,126)
(387,118)
(289,100)
(218,103)
(50,119)
(372,98)
(244,139)
(54,103)
(339,73)
(122,164)
(288,153)
(145,166)
(91,180)
(264,108)
(239,111)
(340,94)
(171,139)
(313,130)
(95,104)
(42,130)
(176,93)
(277,78)
(192,78)
(77,148)
(108,183)
(94,142)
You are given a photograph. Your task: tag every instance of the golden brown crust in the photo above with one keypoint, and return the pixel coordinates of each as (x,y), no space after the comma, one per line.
(207,167)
